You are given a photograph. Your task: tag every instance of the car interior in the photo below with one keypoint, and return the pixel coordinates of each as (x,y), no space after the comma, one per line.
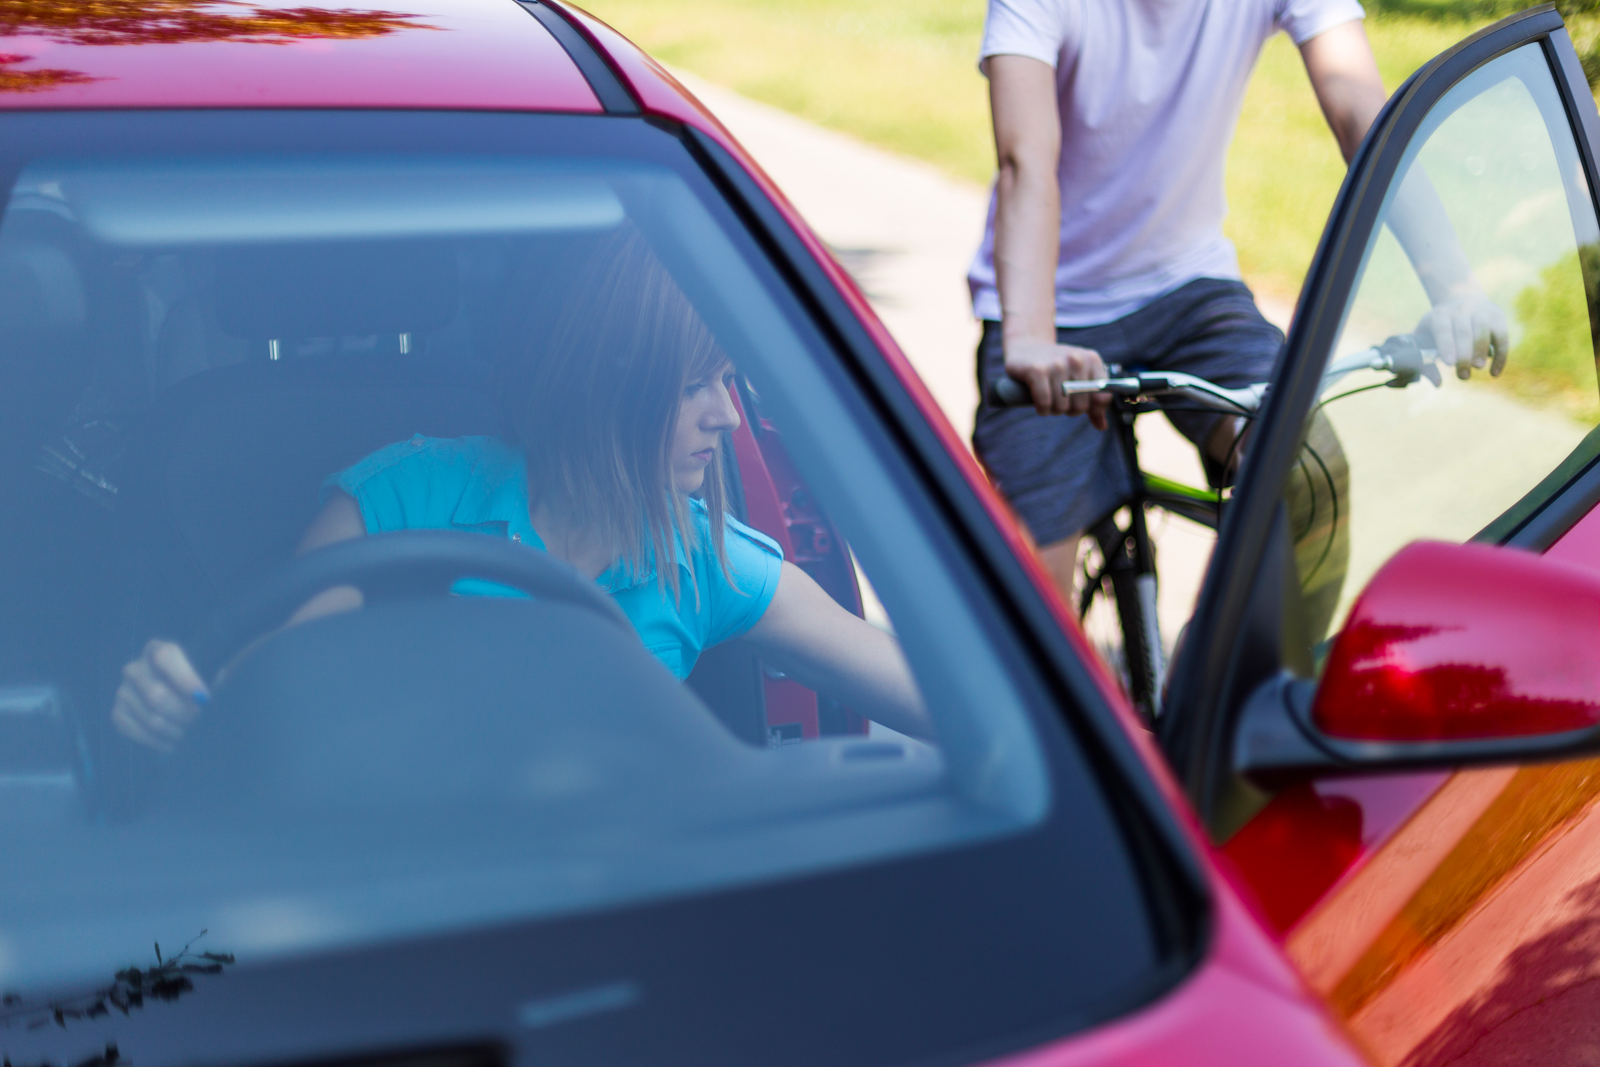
(176,386)
(181,409)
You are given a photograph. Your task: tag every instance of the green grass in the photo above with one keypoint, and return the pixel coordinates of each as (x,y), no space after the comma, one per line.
(898,73)
(902,74)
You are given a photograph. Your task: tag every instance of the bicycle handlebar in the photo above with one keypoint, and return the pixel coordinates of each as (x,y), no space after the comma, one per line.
(1008,392)
(1400,354)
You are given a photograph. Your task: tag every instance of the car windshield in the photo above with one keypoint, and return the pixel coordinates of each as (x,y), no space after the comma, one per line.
(421,524)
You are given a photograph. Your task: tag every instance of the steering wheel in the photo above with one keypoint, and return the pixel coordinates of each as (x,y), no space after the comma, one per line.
(387,566)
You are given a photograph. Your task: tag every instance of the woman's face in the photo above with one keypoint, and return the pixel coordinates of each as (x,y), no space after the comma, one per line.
(705,412)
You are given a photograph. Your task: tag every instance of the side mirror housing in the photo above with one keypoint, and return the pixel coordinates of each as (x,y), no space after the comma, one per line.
(1453,655)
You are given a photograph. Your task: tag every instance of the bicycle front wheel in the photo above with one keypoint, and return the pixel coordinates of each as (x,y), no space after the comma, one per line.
(1113,572)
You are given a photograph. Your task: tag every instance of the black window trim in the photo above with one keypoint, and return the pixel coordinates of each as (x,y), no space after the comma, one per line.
(610,88)
(1574,499)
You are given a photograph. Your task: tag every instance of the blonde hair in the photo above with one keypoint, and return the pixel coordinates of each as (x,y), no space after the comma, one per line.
(591,390)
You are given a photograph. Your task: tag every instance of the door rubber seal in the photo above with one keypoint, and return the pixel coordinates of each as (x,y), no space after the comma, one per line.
(609,88)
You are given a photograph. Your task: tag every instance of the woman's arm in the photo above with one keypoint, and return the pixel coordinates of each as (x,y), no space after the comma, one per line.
(806,634)
(339,520)
(161,692)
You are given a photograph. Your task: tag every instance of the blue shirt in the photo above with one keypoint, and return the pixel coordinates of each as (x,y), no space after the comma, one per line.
(480,484)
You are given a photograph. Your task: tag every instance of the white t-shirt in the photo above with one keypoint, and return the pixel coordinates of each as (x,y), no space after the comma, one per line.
(1150,92)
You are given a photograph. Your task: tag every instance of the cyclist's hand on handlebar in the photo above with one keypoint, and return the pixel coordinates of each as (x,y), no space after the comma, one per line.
(1043,365)
(1467,331)
(159,697)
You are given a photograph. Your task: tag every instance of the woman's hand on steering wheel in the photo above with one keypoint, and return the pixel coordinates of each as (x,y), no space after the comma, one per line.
(160,696)
(163,690)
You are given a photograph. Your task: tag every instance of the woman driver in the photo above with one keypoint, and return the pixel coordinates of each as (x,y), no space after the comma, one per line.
(613,424)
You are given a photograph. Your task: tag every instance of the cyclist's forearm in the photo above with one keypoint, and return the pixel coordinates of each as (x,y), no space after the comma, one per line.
(1027,231)
(1344,74)
(1026,245)
(1418,221)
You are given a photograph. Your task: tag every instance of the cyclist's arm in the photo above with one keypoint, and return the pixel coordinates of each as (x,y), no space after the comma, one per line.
(1027,243)
(1464,323)
(1344,73)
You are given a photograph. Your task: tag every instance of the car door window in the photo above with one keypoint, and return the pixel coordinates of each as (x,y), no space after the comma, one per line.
(1489,219)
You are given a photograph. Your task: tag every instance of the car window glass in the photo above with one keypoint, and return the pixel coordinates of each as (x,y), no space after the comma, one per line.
(209,359)
(1488,221)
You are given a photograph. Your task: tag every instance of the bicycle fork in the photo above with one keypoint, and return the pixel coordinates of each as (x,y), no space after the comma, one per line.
(1131,566)
(1149,620)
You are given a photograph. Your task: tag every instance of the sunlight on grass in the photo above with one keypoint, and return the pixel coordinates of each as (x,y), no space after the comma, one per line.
(901,74)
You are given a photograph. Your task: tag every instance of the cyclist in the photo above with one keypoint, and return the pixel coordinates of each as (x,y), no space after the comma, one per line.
(1104,242)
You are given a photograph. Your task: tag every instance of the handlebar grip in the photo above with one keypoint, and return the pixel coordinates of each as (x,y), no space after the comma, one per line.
(1009,393)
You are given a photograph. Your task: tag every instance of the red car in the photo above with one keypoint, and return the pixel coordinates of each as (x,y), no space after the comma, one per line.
(300,303)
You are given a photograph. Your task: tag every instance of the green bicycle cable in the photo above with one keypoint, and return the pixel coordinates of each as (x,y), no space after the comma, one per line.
(1333,527)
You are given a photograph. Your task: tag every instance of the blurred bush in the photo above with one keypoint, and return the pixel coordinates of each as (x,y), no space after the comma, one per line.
(1582,18)
(1583,23)
(1552,361)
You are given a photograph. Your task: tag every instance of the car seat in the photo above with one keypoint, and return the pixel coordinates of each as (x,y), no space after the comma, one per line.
(223,470)
(50,547)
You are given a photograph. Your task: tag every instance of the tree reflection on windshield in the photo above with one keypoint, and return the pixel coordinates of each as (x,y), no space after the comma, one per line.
(34,81)
(113,22)
(169,979)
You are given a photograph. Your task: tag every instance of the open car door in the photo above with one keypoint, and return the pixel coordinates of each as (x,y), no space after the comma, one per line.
(1394,745)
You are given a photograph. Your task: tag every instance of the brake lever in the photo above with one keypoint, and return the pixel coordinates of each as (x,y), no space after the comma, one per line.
(1399,354)
(1409,361)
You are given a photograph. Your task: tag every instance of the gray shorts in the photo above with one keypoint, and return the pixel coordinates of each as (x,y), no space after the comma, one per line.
(1060,473)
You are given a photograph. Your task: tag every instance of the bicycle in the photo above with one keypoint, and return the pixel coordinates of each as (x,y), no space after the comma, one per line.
(1126,553)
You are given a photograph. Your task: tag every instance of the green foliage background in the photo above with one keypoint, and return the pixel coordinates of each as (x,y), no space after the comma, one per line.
(1553,363)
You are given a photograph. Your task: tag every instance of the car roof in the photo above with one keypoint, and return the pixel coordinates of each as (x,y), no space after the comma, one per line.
(478,54)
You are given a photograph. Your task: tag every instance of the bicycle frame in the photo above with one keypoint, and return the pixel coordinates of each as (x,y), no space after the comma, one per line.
(1128,558)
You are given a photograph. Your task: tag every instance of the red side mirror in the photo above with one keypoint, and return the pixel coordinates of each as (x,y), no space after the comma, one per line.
(1465,642)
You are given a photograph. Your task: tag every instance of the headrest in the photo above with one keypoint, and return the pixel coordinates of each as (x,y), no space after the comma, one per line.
(231,460)
(336,290)
(41,287)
